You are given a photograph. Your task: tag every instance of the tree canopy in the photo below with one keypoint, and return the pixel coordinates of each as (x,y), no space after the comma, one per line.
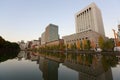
(8,45)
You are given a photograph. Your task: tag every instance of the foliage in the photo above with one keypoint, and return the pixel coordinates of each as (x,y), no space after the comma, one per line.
(107,45)
(109,61)
(8,54)
(81,45)
(101,42)
(78,45)
(73,46)
(2,41)
(69,46)
(52,48)
(87,45)
(8,45)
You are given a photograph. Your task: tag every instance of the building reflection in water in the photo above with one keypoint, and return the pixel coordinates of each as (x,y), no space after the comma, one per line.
(27,56)
(89,66)
(21,55)
(49,68)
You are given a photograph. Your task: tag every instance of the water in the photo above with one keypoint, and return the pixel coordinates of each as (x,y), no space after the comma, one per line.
(54,66)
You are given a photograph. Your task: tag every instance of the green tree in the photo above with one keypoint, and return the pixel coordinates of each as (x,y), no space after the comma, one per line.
(101,42)
(78,45)
(62,47)
(8,45)
(108,45)
(88,44)
(81,45)
(2,41)
(73,46)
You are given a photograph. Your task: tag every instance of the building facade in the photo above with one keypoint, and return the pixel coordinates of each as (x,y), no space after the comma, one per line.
(89,18)
(39,40)
(89,27)
(78,38)
(51,33)
(55,43)
(43,38)
(35,44)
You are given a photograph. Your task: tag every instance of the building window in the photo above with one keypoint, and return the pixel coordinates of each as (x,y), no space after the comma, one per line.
(87,10)
(90,8)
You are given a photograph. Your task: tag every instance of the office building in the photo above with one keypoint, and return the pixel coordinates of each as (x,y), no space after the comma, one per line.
(89,26)
(43,38)
(89,18)
(51,33)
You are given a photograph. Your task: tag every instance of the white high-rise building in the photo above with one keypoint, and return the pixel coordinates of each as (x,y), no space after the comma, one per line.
(89,18)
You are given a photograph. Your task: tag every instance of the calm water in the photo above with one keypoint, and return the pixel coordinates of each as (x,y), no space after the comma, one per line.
(54,66)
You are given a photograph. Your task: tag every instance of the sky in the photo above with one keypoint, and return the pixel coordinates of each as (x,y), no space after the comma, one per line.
(27,19)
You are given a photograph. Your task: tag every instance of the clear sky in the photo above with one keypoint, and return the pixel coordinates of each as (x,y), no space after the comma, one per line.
(27,19)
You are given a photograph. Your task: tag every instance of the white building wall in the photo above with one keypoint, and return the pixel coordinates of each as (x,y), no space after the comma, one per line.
(89,18)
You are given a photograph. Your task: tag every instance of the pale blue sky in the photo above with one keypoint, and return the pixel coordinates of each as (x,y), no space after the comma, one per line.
(27,19)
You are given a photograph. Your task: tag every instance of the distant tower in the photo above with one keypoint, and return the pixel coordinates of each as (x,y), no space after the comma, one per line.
(89,18)
(51,33)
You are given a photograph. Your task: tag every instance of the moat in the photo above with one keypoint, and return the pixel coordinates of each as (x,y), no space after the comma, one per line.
(59,66)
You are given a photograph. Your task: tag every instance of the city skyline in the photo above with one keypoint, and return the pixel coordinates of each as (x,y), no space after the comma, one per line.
(27,19)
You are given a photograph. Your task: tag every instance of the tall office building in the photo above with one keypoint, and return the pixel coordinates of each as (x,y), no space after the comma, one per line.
(89,18)
(51,33)
(43,38)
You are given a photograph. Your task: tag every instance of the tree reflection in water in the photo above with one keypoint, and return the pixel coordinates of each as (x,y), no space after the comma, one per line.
(88,66)
(8,54)
(91,67)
